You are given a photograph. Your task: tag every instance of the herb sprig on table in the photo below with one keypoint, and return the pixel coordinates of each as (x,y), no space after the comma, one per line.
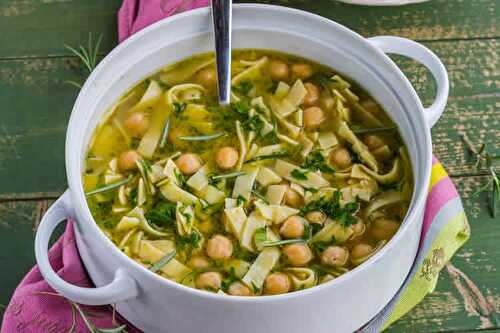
(482,157)
(88,55)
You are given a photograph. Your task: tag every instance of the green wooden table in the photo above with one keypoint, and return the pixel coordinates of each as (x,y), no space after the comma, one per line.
(35,104)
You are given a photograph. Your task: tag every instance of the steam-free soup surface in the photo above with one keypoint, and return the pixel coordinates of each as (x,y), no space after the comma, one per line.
(301,179)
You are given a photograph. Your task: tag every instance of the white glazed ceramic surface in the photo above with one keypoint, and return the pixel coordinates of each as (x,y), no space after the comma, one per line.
(155,304)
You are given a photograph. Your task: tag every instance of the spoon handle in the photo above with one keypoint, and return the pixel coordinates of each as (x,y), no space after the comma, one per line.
(222,17)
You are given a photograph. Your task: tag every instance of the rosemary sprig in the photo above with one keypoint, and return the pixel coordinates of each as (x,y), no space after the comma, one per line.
(87,55)
(482,156)
(164,133)
(109,187)
(163,261)
(215,178)
(202,137)
(373,130)
(283,242)
(268,157)
(260,196)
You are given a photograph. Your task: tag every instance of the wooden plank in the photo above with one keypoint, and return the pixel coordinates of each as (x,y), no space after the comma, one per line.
(36,106)
(41,28)
(449,308)
(32,28)
(434,20)
(473,104)
(37,103)
(444,310)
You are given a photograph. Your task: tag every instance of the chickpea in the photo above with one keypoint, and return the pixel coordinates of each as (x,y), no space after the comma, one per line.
(208,280)
(312,95)
(298,254)
(207,77)
(128,160)
(360,250)
(384,228)
(188,163)
(226,158)
(335,256)
(239,289)
(313,117)
(292,198)
(341,158)
(279,70)
(302,71)
(373,141)
(137,124)
(198,263)
(293,227)
(316,217)
(277,283)
(219,247)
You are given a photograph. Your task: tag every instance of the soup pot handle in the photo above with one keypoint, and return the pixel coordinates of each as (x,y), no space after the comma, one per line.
(121,288)
(418,52)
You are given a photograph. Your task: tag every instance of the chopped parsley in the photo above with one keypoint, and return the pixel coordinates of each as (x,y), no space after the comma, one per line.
(229,279)
(299,175)
(179,108)
(243,88)
(333,209)
(162,214)
(316,161)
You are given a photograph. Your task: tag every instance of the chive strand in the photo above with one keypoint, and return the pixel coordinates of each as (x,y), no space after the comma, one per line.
(202,137)
(109,187)
(163,261)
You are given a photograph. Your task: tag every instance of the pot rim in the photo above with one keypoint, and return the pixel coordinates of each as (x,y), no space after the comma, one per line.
(76,187)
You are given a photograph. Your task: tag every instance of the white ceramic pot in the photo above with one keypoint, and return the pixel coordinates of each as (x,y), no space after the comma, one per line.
(155,304)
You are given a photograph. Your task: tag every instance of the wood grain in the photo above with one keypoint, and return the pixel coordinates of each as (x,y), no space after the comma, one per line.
(33,28)
(37,102)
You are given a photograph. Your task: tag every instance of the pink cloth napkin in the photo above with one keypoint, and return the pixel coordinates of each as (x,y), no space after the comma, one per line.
(35,307)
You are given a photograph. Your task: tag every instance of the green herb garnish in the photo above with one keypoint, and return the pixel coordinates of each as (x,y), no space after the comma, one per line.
(373,130)
(243,88)
(333,209)
(216,178)
(493,184)
(179,108)
(229,279)
(163,261)
(260,196)
(202,137)
(240,200)
(88,56)
(316,161)
(283,242)
(109,187)
(299,174)
(162,214)
(164,133)
(268,157)
(260,237)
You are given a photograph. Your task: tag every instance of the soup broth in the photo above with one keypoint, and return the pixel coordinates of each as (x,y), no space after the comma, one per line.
(301,179)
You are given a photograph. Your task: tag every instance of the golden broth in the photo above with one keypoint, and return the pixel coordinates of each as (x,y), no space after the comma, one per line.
(300,180)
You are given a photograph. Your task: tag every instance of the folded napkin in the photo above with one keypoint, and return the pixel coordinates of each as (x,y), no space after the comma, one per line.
(35,307)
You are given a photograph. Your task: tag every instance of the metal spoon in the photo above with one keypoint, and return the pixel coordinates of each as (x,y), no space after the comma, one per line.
(222,17)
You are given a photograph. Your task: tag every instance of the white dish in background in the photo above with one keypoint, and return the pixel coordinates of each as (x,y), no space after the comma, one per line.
(381,2)
(155,304)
